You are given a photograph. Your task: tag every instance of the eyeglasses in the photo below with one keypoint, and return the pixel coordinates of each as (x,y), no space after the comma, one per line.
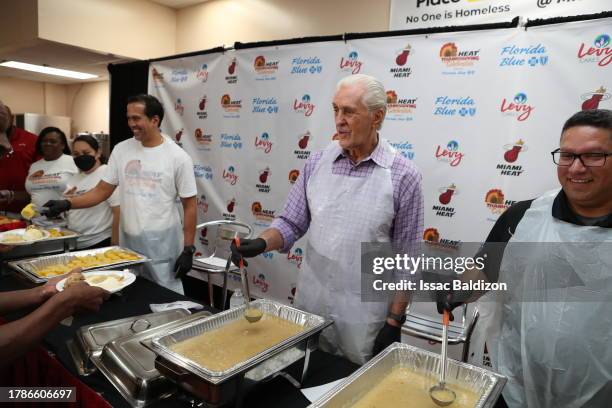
(587,159)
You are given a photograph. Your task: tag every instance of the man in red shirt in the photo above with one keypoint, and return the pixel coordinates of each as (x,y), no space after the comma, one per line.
(17,153)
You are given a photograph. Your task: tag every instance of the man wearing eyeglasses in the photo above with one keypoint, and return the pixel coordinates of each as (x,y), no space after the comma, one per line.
(551,336)
(17,153)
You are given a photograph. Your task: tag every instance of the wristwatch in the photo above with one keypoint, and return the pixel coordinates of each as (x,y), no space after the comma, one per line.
(400,318)
(190,249)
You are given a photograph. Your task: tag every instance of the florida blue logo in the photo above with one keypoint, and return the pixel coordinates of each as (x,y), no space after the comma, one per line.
(231,141)
(308,65)
(179,75)
(462,106)
(517,56)
(265,105)
(405,149)
(203,172)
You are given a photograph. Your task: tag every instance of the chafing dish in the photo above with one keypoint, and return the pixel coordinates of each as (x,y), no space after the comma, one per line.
(51,245)
(217,388)
(129,364)
(89,340)
(28,267)
(485,383)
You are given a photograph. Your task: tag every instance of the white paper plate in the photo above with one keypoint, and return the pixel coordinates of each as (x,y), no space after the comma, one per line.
(21,231)
(127,279)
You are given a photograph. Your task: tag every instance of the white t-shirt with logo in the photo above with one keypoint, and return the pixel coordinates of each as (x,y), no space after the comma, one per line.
(150,180)
(47,180)
(94,223)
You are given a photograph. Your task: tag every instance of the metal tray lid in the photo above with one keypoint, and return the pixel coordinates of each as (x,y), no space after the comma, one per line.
(161,344)
(94,337)
(129,363)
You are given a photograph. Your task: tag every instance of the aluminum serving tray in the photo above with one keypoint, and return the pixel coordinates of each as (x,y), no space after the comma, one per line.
(28,267)
(217,388)
(89,340)
(129,364)
(484,382)
(51,245)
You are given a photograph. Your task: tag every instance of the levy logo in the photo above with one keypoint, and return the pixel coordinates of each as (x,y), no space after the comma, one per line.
(405,149)
(260,282)
(202,73)
(231,141)
(263,142)
(230,176)
(263,186)
(265,105)
(203,140)
(400,70)
(352,63)
(179,107)
(592,99)
(307,65)
(446,194)
(302,153)
(450,153)
(599,53)
(296,257)
(304,105)
(462,106)
(293,175)
(201,112)
(399,108)
(517,56)
(518,107)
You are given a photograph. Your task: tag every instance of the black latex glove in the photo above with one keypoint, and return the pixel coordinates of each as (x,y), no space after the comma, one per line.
(386,336)
(248,249)
(54,208)
(183,263)
(445,301)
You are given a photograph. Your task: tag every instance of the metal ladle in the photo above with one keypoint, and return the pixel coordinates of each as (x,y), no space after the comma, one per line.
(252,314)
(439,394)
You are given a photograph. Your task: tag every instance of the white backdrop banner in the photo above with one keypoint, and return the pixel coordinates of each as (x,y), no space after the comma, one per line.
(411,14)
(478,112)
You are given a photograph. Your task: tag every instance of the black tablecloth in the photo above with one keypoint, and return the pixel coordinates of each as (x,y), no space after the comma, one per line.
(133,301)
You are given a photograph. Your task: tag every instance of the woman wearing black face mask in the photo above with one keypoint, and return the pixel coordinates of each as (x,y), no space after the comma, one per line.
(99,224)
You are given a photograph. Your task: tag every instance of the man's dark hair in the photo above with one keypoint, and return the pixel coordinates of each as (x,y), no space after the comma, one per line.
(45,132)
(152,105)
(598,118)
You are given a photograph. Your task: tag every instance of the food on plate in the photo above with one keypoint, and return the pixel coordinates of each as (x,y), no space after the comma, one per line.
(403,387)
(235,342)
(29,212)
(32,234)
(58,233)
(109,257)
(108,282)
(74,278)
(11,238)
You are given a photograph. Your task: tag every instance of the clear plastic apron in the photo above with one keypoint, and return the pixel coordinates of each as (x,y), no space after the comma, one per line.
(558,353)
(345,211)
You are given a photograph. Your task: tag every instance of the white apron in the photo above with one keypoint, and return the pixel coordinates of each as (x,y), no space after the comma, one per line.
(345,211)
(558,353)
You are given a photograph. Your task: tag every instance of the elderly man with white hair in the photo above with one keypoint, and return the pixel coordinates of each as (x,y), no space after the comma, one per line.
(358,189)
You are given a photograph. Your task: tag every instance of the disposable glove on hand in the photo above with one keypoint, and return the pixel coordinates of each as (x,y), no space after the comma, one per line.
(444,301)
(387,335)
(184,262)
(248,249)
(54,208)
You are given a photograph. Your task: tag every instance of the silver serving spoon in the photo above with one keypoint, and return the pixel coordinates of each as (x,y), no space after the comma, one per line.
(252,314)
(439,394)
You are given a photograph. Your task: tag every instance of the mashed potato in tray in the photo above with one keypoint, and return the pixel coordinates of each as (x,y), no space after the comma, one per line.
(235,342)
(403,388)
(11,238)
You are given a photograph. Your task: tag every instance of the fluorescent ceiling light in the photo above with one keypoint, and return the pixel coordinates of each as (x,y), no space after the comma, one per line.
(47,70)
